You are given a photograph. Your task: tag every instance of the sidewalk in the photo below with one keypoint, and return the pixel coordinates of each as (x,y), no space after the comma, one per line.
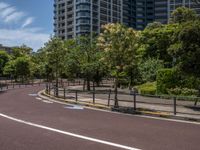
(150,105)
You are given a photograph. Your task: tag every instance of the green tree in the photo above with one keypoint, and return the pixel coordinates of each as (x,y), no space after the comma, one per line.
(9,69)
(154,42)
(22,68)
(186,47)
(83,59)
(55,55)
(72,63)
(39,64)
(148,69)
(119,44)
(4,58)
(183,14)
(21,51)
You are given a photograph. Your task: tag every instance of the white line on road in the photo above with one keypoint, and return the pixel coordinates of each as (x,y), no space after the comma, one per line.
(69,133)
(48,102)
(38,98)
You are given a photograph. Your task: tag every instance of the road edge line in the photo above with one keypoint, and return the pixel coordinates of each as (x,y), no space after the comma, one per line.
(69,133)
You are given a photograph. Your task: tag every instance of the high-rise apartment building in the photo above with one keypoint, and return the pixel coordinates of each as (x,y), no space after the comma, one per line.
(79,17)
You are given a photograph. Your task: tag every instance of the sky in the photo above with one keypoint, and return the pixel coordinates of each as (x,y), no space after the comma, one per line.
(28,22)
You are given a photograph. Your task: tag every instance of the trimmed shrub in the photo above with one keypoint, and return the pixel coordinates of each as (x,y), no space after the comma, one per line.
(148,88)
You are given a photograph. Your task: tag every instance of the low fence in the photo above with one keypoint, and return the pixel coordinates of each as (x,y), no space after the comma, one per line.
(128,99)
(8,84)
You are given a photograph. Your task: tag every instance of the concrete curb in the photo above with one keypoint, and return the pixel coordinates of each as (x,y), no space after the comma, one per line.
(42,94)
(140,111)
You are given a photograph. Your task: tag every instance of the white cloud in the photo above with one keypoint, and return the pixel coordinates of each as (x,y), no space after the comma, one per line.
(19,36)
(3,5)
(7,11)
(10,14)
(14,17)
(27,22)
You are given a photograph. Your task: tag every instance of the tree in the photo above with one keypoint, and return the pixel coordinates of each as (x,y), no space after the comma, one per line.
(83,58)
(22,68)
(21,51)
(119,45)
(18,68)
(39,64)
(154,42)
(148,69)
(9,69)
(186,47)
(4,58)
(183,14)
(55,55)
(72,63)
(154,25)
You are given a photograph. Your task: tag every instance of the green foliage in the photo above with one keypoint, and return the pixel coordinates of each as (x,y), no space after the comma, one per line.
(9,69)
(55,55)
(186,48)
(166,79)
(83,59)
(119,44)
(18,68)
(183,14)
(4,58)
(183,92)
(22,67)
(155,41)
(148,69)
(148,88)
(190,82)
(21,51)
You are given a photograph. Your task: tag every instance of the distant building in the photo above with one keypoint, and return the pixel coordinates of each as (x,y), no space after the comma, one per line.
(6,49)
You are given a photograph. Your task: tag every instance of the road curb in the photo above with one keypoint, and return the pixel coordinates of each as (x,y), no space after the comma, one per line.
(42,94)
(140,111)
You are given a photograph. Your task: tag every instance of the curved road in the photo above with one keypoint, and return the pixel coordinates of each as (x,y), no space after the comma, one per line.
(29,123)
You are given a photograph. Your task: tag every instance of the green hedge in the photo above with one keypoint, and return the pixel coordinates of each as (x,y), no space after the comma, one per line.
(148,88)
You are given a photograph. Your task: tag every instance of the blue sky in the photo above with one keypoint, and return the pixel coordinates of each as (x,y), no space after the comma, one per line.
(27,22)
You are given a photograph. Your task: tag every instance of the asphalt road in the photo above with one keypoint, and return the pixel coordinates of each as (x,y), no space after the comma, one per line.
(30,123)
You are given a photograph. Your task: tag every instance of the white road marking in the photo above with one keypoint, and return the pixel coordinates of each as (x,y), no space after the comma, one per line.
(45,101)
(69,133)
(33,94)
(74,107)
(38,98)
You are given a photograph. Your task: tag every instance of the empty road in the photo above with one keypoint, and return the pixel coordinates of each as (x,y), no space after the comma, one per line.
(28,122)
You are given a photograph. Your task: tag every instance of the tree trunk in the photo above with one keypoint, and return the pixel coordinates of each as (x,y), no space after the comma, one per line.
(131,82)
(88,84)
(98,79)
(116,105)
(84,85)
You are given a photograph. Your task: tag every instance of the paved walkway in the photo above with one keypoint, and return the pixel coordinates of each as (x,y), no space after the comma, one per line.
(184,108)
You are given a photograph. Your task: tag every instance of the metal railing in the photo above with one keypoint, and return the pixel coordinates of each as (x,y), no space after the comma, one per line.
(130,99)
